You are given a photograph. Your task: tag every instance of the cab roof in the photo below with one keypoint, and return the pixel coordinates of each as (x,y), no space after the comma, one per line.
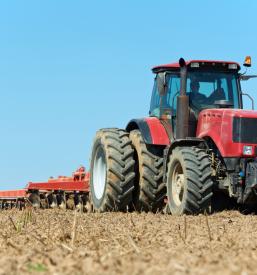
(202,63)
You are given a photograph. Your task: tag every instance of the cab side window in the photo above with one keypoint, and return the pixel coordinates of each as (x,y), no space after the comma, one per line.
(155,101)
(173,92)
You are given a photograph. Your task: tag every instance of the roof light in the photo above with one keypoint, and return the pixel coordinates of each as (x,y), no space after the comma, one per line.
(232,66)
(194,65)
(248,61)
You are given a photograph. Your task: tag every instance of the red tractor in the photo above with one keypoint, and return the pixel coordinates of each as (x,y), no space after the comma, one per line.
(197,141)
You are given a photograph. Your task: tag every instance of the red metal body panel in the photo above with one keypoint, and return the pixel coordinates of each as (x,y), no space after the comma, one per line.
(13,194)
(80,186)
(78,182)
(158,132)
(176,65)
(218,125)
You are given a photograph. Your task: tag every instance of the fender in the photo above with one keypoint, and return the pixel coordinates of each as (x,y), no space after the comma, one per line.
(152,130)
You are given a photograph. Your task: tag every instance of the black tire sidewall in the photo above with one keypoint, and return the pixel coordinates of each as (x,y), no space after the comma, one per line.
(146,196)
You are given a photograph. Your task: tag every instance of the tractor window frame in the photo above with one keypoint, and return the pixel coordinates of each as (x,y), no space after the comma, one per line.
(155,101)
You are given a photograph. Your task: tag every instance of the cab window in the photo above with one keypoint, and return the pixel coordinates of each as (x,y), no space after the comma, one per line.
(173,92)
(155,101)
(168,101)
(204,88)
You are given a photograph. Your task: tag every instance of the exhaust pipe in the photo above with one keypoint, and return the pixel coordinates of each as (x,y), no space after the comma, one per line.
(182,125)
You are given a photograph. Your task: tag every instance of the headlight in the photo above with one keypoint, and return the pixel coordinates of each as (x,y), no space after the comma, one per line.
(248,150)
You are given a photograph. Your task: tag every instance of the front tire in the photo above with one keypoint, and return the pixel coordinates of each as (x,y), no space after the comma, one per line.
(112,171)
(189,183)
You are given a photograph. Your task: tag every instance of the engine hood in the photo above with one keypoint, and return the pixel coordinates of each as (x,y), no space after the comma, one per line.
(230,129)
(229,113)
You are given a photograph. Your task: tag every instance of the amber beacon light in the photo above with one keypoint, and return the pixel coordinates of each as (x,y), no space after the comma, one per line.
(248,61)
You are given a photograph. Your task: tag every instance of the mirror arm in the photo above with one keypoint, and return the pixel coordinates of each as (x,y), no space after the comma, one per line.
(252,100)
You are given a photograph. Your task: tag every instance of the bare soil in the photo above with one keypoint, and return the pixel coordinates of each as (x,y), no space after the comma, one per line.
(65,242)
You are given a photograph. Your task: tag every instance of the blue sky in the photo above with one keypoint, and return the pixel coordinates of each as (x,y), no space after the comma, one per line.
(68,68)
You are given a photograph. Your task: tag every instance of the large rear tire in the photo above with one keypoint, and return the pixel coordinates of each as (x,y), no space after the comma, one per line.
(112,171)
(150,190)
(189,183)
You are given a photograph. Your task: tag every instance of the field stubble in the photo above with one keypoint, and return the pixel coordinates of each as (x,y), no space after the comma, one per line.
(66,242)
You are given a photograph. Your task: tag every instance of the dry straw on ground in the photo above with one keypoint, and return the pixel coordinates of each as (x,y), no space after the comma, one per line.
(64,242)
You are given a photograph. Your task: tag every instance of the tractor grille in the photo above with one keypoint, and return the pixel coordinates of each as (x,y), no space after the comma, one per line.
(245,130)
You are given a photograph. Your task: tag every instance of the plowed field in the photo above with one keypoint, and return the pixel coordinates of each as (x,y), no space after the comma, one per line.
(65,242)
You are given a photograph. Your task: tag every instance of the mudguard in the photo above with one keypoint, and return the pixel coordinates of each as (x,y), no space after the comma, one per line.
(152,130)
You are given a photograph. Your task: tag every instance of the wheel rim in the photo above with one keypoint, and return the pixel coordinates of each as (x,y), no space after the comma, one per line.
(178,184)
(99,173)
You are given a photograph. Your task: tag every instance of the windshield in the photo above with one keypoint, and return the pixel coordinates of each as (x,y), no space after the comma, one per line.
(203,89)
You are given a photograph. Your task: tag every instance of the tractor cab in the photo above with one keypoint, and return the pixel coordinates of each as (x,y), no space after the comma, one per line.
(207,85)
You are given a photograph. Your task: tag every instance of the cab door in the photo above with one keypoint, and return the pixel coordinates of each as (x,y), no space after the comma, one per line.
(164,105)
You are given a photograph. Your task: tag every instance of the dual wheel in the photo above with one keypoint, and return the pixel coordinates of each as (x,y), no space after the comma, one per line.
(126,174)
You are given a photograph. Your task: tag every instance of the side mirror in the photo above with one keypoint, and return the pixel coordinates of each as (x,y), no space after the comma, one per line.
(161,83)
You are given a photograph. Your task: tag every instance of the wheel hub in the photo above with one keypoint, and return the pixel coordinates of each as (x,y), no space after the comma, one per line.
(99,173)
(178,184)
